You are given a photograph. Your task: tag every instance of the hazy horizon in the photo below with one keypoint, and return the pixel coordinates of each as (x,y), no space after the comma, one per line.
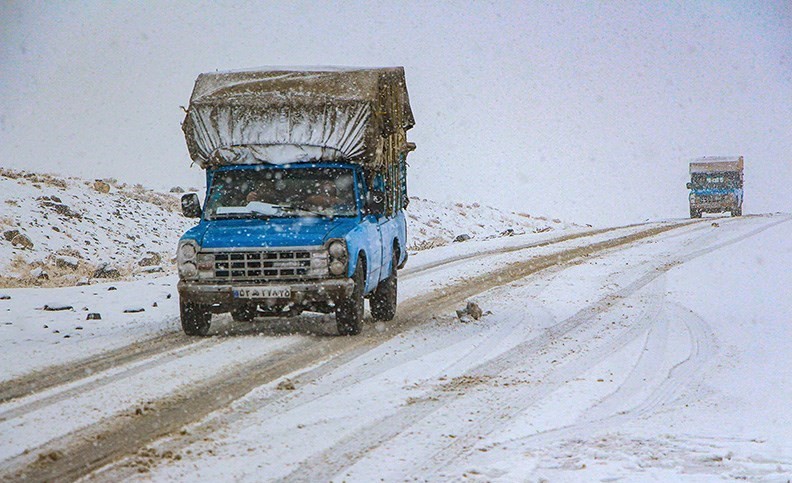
(587,112)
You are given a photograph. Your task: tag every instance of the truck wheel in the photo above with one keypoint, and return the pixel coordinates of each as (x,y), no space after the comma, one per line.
(245,314)
(383,300)
(195,318)
(737,211)
(349,311)
(695,213)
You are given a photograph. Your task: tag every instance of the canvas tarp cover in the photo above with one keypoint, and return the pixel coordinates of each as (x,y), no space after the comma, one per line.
(278,116)
(716,164)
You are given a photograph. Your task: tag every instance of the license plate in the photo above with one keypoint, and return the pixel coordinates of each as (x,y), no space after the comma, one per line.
(262,292)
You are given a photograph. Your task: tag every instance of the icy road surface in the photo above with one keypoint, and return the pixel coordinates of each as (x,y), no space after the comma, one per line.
(653,352)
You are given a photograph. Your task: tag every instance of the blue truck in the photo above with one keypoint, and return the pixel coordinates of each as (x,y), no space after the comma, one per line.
(716,185)
(305,195)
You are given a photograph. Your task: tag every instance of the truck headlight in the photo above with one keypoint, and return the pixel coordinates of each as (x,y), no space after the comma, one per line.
(338,257)
(185,258)
(338,249)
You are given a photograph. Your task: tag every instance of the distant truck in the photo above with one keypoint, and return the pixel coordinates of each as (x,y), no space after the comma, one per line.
(305,195)
(716,185)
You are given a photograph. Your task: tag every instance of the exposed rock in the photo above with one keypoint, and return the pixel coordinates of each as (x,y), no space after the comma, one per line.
(285,385)
(155,269)
(61,209)
(106,271)
(150,259)
(101,186)
(5,297)
(68,263)
(23,241)
(177,189)
(94,316)
(39,274)
(10,234)
(48,457)
(715,224)
(57,307)
(69,252)
(508,232)
(471,312)
(134,310)
(474,310)
(543,230)
(462,238)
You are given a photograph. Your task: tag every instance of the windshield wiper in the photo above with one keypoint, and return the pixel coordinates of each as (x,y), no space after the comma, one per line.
(240,216)
(304,210)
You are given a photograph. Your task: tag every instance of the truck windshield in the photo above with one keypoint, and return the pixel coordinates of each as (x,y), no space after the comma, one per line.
(281,192)
(716,180)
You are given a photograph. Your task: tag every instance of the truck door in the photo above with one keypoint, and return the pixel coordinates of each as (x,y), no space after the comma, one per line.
(373,225)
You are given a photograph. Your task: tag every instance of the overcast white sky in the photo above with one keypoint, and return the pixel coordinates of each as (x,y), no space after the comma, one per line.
(582,110)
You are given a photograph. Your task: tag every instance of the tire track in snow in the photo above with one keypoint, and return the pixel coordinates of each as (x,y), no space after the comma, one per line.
(47,378)
(105,378)
(545,347)
(608,413)
(353,448)
(321,381)
(702,349)
(90,370)
(44,379)
(99,444)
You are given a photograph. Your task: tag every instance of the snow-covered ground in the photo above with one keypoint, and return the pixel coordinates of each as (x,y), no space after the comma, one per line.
(656,352)
(665,361)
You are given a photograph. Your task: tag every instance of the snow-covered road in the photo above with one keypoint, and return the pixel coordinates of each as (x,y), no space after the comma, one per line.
(655,351)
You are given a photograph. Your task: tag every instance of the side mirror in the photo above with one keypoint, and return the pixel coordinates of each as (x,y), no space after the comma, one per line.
(191,205)
(375,203)
(689,186)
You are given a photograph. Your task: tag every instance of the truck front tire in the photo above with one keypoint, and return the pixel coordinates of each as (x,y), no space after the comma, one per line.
(195,318)
(695,213)
(349,311)
(383,300)
(737,211)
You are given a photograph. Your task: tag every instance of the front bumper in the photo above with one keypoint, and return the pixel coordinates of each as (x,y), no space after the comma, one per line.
(303,293)
(713,206)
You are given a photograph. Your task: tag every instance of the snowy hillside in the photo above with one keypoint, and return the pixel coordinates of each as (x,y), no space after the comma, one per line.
(58,231)
(432,224)
(62,231)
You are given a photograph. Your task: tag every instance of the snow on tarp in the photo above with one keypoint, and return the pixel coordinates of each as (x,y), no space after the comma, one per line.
(716,164)
(282,115)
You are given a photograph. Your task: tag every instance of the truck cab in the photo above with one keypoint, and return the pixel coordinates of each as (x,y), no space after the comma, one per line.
(716,186)
(289,227)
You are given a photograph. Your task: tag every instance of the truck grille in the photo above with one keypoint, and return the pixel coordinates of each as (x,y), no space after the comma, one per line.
(265,265)
(713,198)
